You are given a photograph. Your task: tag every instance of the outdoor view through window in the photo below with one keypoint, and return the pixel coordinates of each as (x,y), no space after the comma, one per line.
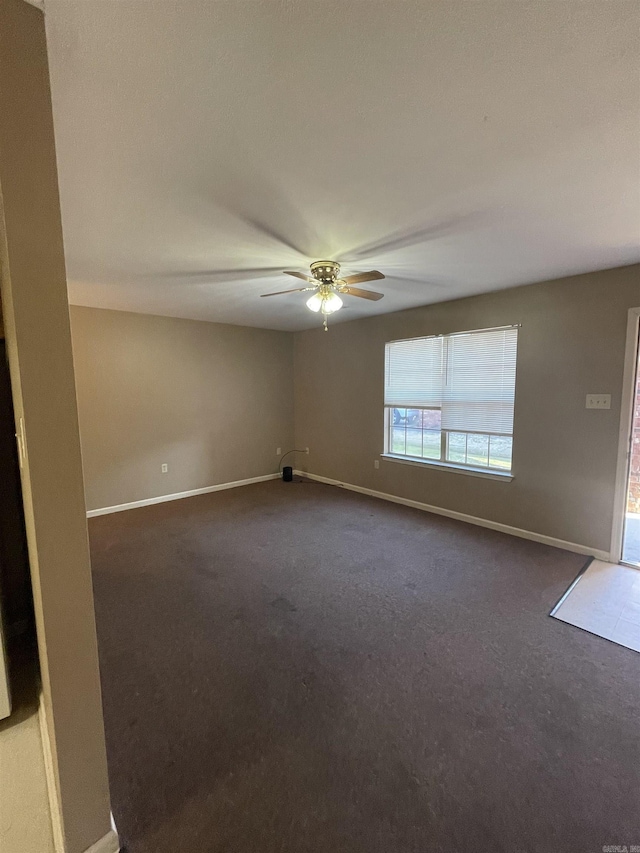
(449,399)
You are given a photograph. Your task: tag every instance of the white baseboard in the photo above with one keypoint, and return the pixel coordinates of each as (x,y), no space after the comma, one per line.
(179,495)
(470,519)
(52,779)
(109,843)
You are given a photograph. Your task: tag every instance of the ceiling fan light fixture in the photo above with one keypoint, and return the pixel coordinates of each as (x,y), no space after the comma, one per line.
(327,303)
(331,303)
(326,284)
(314,303)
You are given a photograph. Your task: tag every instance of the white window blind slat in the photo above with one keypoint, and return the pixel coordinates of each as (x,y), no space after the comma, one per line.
(470,377)
(414,373)
(480,381)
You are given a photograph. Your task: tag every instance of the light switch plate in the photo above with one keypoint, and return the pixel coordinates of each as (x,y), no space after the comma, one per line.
(598,401)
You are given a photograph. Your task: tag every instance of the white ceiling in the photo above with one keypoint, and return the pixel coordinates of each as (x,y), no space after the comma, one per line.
(459,147)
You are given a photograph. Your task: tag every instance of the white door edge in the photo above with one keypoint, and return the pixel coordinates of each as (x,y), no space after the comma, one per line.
(624,438)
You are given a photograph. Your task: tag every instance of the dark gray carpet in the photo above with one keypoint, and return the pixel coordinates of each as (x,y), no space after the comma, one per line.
(293,668)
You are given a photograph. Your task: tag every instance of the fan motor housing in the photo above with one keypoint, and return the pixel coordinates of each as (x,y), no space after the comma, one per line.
(326,271)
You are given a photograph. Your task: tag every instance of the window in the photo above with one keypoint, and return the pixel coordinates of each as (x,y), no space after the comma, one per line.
(449,399)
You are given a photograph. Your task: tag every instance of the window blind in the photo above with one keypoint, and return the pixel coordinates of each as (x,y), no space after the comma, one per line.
(470,376)
(413,375)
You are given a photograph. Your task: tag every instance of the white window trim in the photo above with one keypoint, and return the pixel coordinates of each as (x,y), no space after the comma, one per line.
(501,476)
(490,473)
(457,468)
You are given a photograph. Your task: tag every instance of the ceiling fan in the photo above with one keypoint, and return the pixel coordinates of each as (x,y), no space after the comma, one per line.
(326,282)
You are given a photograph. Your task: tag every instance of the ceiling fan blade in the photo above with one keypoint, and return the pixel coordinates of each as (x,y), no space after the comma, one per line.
(280,292)
(364,294)
(358,277)
(300,275)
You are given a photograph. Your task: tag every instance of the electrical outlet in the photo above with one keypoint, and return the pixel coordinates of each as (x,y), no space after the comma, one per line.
(164,468)
(376,463)
(306,450)
(278,451)
(598,401)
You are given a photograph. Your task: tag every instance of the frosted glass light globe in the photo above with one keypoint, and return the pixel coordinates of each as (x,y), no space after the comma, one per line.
(331,303)
(314,303)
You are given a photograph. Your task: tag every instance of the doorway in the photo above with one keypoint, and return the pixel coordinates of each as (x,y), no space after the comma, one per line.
(626,538)
(631,530)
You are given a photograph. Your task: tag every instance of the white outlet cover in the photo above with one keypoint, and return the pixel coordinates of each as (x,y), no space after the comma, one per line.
(598,401)
(165,468)
(278,451)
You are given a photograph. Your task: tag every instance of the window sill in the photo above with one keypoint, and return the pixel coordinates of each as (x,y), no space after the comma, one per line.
(503,477)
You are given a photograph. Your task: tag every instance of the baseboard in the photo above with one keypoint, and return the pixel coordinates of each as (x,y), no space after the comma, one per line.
(461,516)
(53,791)
(109,843)
(179,495)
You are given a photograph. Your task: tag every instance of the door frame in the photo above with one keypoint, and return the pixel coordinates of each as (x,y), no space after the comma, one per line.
(624,440)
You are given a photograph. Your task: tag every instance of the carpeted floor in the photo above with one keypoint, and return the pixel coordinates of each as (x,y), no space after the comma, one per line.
(293,668)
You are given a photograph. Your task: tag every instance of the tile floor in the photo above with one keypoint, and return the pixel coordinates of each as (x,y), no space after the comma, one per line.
(605,601)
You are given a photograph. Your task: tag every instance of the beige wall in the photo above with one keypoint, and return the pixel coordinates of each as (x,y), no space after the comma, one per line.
(36,318)
(571,343)
(212,401)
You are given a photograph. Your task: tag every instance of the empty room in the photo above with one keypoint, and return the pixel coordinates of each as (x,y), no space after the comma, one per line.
(321,346)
